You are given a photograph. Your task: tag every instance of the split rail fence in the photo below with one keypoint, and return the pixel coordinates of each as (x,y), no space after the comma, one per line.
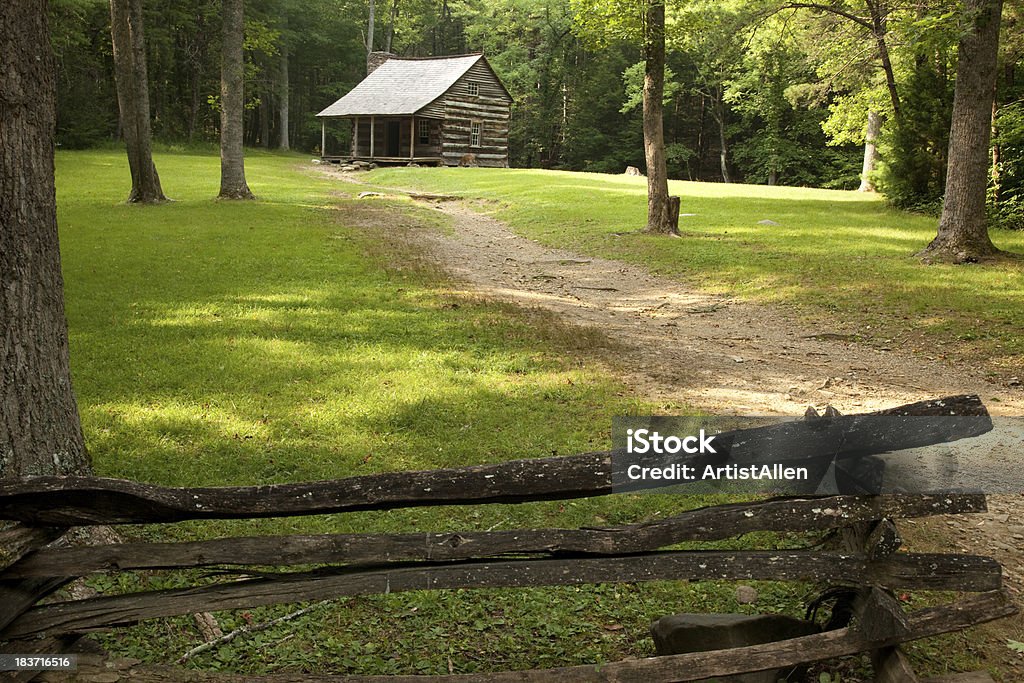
(866,558)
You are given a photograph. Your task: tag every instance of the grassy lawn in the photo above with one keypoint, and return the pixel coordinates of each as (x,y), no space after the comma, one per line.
(842,259)
(299,338)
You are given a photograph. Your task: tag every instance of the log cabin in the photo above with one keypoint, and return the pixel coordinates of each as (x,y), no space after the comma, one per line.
(434,110)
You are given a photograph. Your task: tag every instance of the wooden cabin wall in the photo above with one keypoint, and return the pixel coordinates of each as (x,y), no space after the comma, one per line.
(490,107)
(433,149)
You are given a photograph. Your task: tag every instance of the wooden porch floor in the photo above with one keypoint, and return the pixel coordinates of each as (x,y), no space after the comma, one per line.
(383,160)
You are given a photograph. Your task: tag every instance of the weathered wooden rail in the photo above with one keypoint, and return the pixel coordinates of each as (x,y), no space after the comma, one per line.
(865,558)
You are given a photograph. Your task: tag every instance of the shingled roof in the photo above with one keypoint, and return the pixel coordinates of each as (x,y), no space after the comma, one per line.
(402,86)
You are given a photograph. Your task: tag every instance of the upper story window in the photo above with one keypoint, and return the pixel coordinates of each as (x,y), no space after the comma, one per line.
(423,134)
(474,87)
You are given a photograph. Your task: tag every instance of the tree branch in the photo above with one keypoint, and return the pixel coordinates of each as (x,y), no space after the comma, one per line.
(832,9)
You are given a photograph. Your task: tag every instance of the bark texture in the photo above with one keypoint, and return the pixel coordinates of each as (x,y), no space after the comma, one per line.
(369,27)
(232,104)
(127,38)
(870,152)
(40,431)
(659,219)
(880,30)
(718,111)
(284,144)
(963,231)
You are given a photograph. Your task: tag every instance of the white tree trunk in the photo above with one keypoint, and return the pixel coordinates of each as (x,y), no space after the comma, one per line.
(870,152)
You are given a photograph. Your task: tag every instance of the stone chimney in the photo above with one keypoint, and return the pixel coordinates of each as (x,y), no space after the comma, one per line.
(375,59)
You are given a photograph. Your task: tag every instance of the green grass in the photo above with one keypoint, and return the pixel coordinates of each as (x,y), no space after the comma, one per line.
(298,338)
(225,338)
(842,259)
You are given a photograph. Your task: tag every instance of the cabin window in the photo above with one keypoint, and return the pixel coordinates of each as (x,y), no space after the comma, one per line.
(474,87)
(474,134)
(424,132)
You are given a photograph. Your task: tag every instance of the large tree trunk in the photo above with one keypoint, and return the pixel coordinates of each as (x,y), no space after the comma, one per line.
(659,213)
(963,230)
(284,144)
(40,431)
(129,45)
(232,104)
(870,152)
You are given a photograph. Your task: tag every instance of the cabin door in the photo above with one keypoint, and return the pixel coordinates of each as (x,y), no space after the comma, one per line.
(394,131)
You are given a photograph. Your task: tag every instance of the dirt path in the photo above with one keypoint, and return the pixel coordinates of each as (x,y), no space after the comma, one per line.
(712,353)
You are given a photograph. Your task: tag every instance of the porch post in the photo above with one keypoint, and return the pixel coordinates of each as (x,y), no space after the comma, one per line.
(412,137)
(355,138)
(371,136)
(323,138)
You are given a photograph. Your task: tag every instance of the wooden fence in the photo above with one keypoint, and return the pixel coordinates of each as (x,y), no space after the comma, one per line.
(865,557)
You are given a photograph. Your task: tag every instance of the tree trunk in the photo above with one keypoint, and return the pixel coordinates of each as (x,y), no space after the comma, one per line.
(232,104)
(723,154)
(129,46)
(265,115)
(996,149)
(369,27)
(963,231)
(283,85)
(390,33)
(870,152)
(193,112)
(658,211)
(879,30)
(40,432)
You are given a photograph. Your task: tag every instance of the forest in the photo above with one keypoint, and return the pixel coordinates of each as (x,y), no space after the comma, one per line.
(756,91)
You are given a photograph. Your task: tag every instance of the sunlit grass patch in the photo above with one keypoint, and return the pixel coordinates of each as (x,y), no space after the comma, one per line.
(224,343)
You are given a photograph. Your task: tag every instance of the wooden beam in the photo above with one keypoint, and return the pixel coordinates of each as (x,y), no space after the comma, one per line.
(412,137)
(69,501)
(968,677)
(902,571)
(16,597)
(372,135)
(323,138)
(703,524)
(18,540)
(355,138)
(892,666)
(693,666)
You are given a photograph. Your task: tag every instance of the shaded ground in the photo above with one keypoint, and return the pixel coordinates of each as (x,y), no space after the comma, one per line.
(725,356)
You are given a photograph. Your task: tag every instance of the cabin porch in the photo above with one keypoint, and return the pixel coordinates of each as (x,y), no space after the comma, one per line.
(389,140)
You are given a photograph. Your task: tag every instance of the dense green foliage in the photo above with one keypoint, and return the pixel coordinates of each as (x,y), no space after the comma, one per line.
(781,93)
(758,90)
(1008,188)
